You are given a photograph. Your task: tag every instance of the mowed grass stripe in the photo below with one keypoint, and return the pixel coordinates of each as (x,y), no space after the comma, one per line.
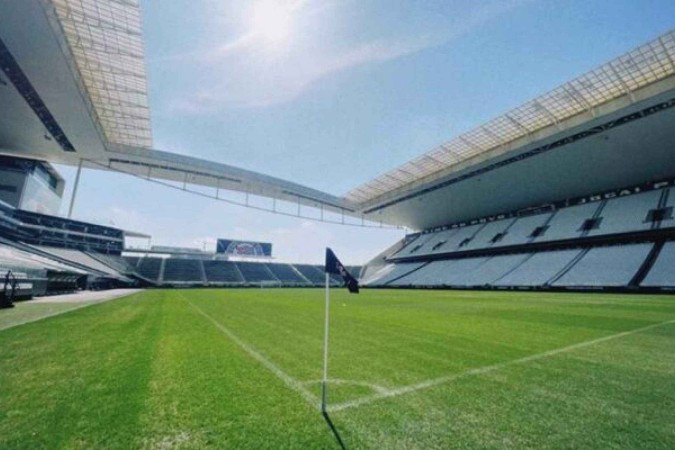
(144,372)
(207,391)
(269,365)
(397,338)
(427,384)
(78,380)
(615,394)
(178,381)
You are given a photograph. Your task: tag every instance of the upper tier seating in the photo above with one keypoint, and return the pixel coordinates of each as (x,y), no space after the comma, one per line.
(416,245)
(183,270)
(286,273)
(606,266)
(662,272)
(116,263)
(448,241)
(567,223)
(625,214)
(80,258)
(520,231)
(670,203)
(489,235)
(467,272)
(26,261)
(256,272)
(618,215)
(222,272)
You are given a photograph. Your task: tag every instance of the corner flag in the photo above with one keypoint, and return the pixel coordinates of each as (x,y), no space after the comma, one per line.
(333,265)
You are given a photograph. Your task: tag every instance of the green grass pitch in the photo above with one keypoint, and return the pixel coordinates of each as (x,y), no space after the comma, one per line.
(409,370)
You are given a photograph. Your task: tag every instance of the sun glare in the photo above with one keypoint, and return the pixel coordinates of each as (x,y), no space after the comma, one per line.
(271,20)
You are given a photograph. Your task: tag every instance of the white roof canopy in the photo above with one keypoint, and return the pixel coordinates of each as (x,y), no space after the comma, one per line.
(640,67)
(106,41)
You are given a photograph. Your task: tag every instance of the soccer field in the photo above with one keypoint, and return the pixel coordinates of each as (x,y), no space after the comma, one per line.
(409,369)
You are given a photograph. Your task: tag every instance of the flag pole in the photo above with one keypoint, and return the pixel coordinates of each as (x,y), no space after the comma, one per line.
(324,381)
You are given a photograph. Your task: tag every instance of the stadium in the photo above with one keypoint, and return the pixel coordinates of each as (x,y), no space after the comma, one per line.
(529,304)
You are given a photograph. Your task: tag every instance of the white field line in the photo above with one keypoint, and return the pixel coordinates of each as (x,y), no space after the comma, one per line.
(482,370)
(375,387)
(291,382)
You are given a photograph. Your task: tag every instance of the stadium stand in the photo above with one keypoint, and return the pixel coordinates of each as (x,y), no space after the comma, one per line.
(539,269)
(441,273)
(287,274)
(391,272)
(256,272)
(489,235)
(46,275)
(150,268)
(80,259)
(132,260)
(114,262)
(522,230)
(606,266)
(222,272)
(627,214)
(314,274)
(180,270)
(568,223)
(492,269)
(354,270)
(662,273)
(603,241)
(215,272)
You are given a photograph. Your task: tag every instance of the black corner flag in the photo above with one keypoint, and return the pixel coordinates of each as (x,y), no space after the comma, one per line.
(333,265)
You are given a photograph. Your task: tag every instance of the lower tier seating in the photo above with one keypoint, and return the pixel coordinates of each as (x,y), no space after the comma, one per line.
(218,272)
(603,217)
(149,268)
(183,270)
(390,273)
(606,266)
(538,269)
(286,273)
(442,273)
(256,272)
(662,273)
(222,272)
(314,274)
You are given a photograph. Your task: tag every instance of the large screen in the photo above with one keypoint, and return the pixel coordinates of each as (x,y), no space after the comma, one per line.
(243,248)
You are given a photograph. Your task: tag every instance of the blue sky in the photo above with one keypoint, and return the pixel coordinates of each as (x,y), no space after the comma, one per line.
(331,93)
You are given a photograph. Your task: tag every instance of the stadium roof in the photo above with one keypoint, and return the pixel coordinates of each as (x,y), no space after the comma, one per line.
(73,90)
(106,40)
(75,93)
(620,77)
